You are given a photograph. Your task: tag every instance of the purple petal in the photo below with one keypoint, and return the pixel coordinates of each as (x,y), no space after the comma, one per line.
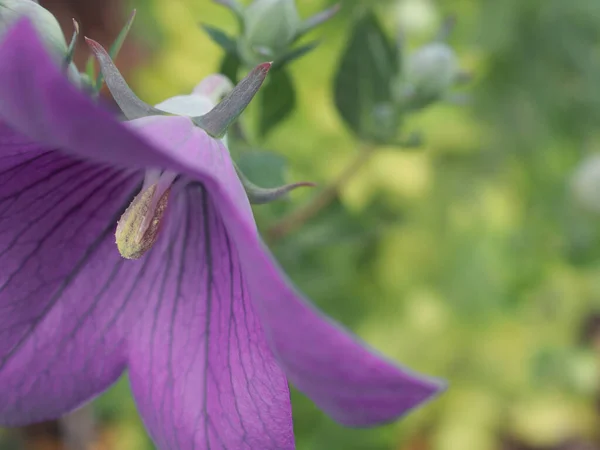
(351,383)
(64,292)
(348,381)
(201,372)
(354,385)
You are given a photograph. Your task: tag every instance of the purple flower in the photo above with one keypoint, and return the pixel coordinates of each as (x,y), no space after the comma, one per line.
(206,324)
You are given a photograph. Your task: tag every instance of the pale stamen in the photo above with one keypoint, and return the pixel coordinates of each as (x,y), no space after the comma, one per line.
(138,228)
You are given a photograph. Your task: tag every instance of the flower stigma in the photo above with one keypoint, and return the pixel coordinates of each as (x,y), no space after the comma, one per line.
(139,226)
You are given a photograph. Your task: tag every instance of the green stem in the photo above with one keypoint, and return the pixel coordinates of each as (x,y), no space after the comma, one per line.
(321,200)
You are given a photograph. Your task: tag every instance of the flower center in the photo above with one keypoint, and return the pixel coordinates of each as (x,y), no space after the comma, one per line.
(138,228)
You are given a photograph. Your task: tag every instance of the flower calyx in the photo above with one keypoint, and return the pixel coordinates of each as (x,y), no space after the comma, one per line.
(215,122)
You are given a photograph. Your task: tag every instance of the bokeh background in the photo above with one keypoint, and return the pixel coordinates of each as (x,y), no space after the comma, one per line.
(469,258)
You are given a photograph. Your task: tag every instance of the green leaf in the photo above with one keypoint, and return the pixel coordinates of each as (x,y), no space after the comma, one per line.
(115,48)
(363,82)
(230,65)
(277,101)
(220,38)
(90,68)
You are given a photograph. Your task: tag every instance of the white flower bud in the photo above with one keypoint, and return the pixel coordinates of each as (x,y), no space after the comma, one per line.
(269,27)
(432,69)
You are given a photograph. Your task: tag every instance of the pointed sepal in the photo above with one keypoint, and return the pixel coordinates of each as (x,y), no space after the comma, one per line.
(260,196)
(216,122)
(131,106)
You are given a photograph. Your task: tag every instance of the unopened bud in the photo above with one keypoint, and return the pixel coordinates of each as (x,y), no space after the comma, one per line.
(585,184)
(270,26)
(432,70)
(44,22)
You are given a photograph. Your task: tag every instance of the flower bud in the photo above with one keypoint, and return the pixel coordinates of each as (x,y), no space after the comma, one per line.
(432,70)
(585,184)
(270,26)
(42,20)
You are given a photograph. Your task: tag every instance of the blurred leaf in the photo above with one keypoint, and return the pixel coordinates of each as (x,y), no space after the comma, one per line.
(115,48)
(364,77)
(294,55)
(277,101)
(220,38)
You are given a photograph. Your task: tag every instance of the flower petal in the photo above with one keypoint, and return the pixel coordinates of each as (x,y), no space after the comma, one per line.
(64,293)
(201,372)
(350,382)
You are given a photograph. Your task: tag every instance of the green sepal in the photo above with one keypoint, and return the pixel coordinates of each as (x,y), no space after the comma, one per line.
(260,196)
(217,121)
(131,106)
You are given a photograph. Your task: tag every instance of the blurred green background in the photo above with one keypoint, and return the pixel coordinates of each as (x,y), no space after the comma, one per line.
(469,258)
